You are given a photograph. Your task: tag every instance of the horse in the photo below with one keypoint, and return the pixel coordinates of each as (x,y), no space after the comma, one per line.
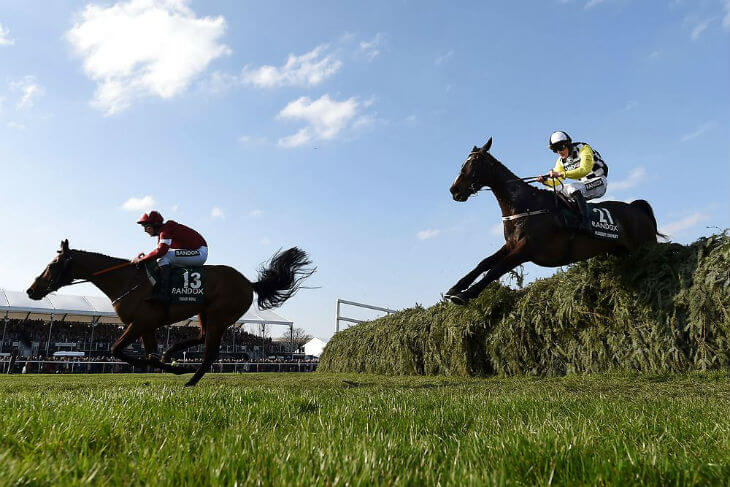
(228,295)
(533,230)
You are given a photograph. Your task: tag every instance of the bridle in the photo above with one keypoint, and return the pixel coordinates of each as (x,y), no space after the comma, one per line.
(475,186)
(60,279)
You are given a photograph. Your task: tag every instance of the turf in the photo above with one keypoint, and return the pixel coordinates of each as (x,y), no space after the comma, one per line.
(327,429)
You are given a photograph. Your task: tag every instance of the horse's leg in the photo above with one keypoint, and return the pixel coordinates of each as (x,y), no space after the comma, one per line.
(150,346)
(483,266)
(510,261)
(149,340)
(212,345)
(129,336)
(191,342)
(183,345)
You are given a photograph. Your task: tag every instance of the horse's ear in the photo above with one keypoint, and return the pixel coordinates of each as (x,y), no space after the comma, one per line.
(475,149)
(487,145)
(64,245)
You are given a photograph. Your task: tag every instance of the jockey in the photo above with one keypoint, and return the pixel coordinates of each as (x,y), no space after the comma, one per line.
(176,245)
(577,160)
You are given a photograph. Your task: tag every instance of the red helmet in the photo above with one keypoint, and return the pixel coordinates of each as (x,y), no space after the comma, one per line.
(151,218)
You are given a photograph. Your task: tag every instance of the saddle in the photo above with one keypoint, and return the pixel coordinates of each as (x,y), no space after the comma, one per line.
(603,224)
(185,283)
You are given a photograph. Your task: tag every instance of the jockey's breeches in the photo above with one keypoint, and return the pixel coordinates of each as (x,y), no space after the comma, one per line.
(590,188)
(184,257)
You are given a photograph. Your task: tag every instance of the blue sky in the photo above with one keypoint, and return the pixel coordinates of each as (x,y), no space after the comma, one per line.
(339,127)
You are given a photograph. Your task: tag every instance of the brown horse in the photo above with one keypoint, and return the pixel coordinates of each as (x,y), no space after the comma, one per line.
(228,294)
(533,230)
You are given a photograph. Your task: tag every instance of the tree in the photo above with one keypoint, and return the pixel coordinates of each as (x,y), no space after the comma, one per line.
(298,336)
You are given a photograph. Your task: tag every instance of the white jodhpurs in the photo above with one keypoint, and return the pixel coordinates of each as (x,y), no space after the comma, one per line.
(590,188)
(184,257)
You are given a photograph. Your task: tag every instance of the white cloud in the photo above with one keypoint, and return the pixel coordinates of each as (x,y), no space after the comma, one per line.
(219,82)
(682,224)
(309,69)
(174,208)
(630,105)
(135,204)
(699,28)
(216,212)
(726,19)
(255,213)
(699,131)
(15,125)
(265,241)
(593,3)
(326,118)
(143,48)
(442,58)
(252,140)
(428,233)
(373,48)
(497,229)
(28,89)
(636,176)
(5,39)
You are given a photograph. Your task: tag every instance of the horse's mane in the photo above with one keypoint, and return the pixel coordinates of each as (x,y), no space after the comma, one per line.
(114,260)
(526,189)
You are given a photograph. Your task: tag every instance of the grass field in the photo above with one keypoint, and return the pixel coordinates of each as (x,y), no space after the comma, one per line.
(320,429)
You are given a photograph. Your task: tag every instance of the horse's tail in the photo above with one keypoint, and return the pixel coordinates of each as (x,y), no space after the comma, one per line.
(281,278)
(645,206)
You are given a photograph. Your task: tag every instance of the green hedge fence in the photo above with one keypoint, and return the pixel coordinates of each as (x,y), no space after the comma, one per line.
(663,308)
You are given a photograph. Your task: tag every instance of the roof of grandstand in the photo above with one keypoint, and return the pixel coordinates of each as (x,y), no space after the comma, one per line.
(17,304)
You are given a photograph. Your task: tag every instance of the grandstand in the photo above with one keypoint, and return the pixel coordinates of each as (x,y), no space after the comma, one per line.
(61,326)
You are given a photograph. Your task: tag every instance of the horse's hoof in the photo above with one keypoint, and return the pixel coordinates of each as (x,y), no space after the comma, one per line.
(459,299)
(451,292)
(190,383)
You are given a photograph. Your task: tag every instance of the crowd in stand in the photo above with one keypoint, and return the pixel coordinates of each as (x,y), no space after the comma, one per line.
(33,343)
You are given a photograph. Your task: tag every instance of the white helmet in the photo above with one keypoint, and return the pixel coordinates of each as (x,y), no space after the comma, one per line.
(559,138)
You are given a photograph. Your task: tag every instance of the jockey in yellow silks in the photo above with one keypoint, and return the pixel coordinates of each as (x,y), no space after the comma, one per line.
(577,161)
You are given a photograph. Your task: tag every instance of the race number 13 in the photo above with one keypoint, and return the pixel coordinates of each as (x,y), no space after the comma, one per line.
(191,279)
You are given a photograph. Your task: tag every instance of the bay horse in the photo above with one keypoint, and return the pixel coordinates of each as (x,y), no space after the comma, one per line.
(533,231)
(227,296)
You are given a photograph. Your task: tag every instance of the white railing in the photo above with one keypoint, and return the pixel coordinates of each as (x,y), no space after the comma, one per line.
(82,367)
(339,317)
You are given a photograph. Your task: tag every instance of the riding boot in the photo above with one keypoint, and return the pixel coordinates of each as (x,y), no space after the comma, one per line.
(585,221)
(162,291)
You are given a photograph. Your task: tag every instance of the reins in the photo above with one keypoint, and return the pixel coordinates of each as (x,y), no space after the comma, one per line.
(103,271)
(529,179)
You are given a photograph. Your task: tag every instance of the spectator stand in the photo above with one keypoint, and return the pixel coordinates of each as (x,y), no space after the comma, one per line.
(57,309)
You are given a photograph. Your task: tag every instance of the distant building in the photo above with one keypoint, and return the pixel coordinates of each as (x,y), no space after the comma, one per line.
(314,347)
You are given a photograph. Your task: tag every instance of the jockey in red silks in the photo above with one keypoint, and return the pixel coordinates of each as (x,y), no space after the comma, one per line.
(176,245)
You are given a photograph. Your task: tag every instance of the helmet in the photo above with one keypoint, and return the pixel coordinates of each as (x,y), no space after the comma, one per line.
(559,138)
(151,218)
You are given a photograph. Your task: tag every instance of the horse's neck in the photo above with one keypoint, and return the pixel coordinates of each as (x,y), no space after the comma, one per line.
(512,193)
(113,283)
